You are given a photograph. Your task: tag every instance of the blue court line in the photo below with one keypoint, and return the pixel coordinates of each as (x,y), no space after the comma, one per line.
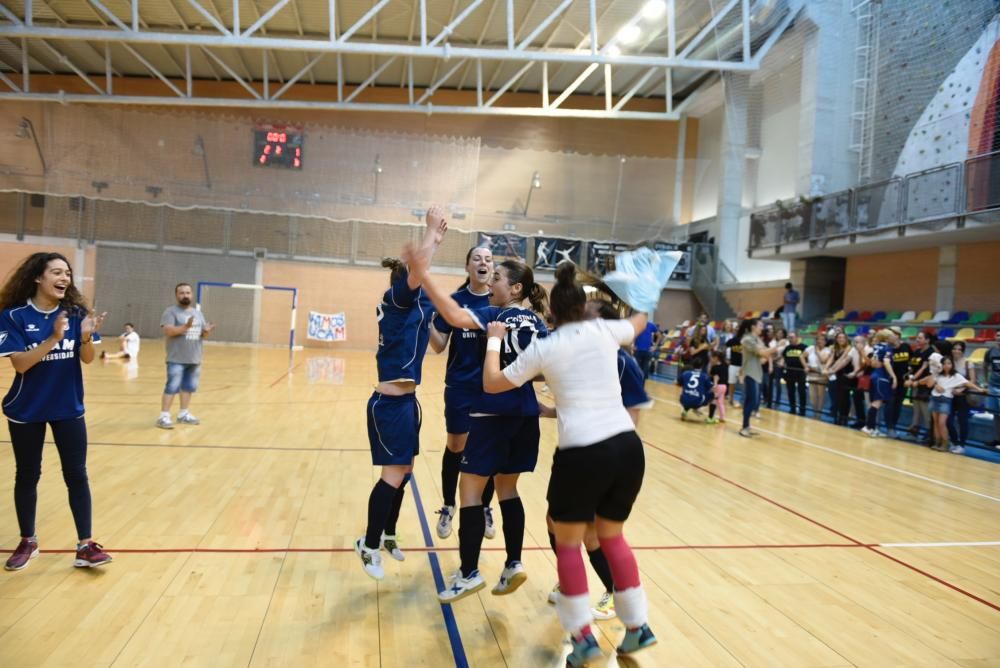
(457,650)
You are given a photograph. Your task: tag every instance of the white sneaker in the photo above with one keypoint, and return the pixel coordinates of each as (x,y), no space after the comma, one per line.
(868,432)
(554,595)
(605,608)
(461,587)
(187,418)
(447,514)
(491,528)
(391,545)
(371,560)
(512,577)
(957,450)
(165,422)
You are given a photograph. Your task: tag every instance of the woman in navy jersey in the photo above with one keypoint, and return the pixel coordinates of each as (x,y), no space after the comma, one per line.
(503,434)
(463,382)
(599,464)
(404,318)
(46,330)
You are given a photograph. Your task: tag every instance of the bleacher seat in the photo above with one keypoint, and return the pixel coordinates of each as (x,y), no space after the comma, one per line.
(879,316)
(909,332)
(993,319)
(893,316)
(946,333)
(965,334)
(839,315)
(748,314)
(978,356)
(765,314)
(851,330)
(957,318)
(924,316)
(865,316)
(811,328)
(941,316)
(850,315)
(984,336)
(755,314)
(908,316)
(977,317)
(864,330)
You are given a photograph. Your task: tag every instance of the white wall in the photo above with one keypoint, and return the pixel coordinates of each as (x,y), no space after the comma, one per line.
(707,166)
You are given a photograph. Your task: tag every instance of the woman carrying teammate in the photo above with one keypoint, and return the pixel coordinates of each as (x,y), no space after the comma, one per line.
(46,331)
(463,382)
(393,412)
(599,464)
(503,434)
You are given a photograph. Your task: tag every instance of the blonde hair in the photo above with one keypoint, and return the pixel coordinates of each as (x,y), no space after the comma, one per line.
(883,336)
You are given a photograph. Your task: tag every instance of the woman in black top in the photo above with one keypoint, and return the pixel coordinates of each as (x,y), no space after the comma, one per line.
(795,373)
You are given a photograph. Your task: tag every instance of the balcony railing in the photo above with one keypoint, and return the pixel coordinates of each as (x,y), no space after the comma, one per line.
(919,199)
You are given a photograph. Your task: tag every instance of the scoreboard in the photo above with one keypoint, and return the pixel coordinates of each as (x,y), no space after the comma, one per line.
(278,145)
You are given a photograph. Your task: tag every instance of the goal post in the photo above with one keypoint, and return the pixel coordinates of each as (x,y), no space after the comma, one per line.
(201,285)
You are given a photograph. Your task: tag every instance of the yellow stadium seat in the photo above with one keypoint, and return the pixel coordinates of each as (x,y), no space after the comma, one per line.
(924,316)
(756,314)
(978,356)
(964,334)
(839,314)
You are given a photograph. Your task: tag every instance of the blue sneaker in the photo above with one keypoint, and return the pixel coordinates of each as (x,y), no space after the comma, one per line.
(636,639)
(585,650)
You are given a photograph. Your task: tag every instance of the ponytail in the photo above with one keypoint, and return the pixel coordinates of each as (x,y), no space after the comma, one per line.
(568,298)
(396,266)
(519,272)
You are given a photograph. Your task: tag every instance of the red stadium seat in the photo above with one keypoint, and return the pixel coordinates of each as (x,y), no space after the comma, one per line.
(865,316)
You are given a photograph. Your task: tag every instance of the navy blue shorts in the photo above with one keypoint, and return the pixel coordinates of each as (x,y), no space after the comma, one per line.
(501,444)
(881,389)
(689,402)
(393,429)
(457,405)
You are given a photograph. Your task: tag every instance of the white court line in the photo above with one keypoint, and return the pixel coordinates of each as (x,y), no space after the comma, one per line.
(895,469)
(985,543)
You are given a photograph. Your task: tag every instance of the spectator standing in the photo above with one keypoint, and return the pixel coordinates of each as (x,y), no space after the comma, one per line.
(754,352)
(840,368)
(946,383)
(991,371)
(795,373)
(789,308)
(184,328)
(644,347)
(817,359)
(734,354)
(860,380)
(699,347)
(767,336)
(778,344)
(958,420)
(901,353)
(919,391)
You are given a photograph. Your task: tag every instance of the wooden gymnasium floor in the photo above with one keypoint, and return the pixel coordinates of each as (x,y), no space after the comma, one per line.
(808,546)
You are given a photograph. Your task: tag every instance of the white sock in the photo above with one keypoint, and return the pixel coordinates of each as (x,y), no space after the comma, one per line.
(632,607)
(574,612)
(184,412)
(165,415)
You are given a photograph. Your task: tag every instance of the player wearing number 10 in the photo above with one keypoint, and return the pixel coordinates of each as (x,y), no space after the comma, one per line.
(503,436)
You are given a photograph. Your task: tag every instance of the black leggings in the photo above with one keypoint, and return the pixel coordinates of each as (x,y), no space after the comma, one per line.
(71,442)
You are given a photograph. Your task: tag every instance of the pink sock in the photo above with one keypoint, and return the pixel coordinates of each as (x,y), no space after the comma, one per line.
(624,570)
(720,400)
(572,573)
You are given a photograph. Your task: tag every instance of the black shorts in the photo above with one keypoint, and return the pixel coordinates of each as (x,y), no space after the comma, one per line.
(601,479)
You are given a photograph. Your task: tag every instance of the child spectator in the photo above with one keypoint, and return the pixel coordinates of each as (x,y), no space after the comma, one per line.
(719,373)
(946,383)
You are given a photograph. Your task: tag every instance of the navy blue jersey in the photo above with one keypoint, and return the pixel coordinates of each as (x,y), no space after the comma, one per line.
(632,382)
(882,350)
(522,328)
(697,387)
(465,361)
(404,319)
(51,390)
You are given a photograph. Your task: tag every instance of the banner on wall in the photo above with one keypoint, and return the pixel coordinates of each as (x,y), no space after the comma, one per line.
(549,252)
(683,270)
(505,245)
(599,253)
(327,326)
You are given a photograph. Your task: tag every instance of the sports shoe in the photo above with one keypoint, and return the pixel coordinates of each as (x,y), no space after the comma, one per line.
(371,560)
(684,415)
(513,576)
(892,434)
(745,432)
(868,432)
(585,650)
(391,545)
(491,528)
(712,420)
(636,639)
(187,418)
(165,422)
(461,587)
(554,595)
(90,555)
(447,514)
(605,608)
(25,551)
(957,450)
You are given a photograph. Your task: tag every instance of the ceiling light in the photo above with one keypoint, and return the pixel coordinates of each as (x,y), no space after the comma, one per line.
(613,51)
(654,9)
(628,35)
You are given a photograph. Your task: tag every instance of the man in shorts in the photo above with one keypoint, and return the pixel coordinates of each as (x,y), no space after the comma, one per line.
(183,327)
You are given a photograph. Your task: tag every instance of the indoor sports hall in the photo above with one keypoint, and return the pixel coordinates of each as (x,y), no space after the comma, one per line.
(821,170)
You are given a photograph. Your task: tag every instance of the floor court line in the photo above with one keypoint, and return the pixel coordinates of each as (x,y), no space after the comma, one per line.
(866,546)
(286,374)
(888,467)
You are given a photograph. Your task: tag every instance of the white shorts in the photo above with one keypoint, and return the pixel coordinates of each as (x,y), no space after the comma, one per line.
(734,374)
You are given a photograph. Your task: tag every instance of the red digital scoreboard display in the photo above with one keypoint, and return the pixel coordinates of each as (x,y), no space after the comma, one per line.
(277,145)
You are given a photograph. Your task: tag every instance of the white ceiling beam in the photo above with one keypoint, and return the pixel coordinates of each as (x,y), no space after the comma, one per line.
(709,27)
(204,12)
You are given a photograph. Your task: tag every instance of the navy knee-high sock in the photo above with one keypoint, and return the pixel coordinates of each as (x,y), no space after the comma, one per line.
(397,503)
(379,507)
(512,511)
(602,568)
(450,464)
(471,531)
(872,421)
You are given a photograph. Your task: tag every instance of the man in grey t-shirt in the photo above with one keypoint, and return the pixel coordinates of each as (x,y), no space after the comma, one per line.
(183,329)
